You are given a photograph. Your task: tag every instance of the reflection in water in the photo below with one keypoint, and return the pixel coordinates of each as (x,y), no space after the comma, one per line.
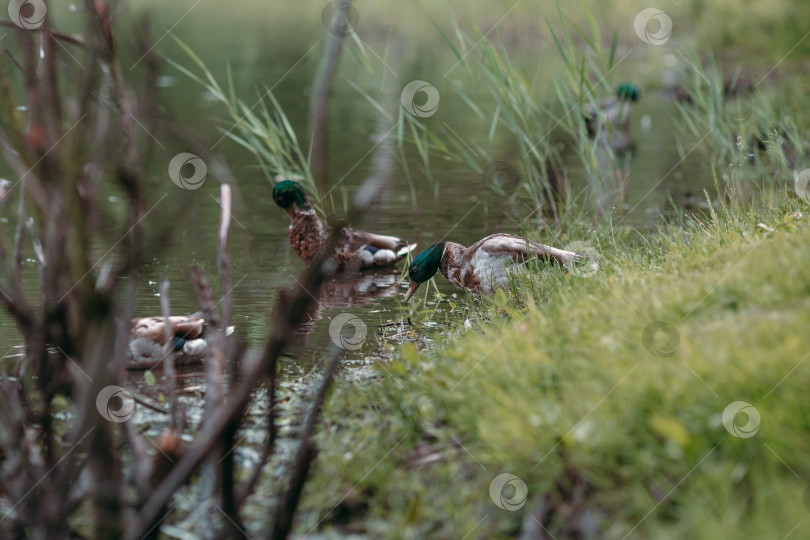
(452,205)
(348,290)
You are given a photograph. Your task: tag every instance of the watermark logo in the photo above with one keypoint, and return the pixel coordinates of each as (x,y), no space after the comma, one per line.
(203,489)
(661,339)
(340,323)
(802,185)
(408,99)
(428,411)
(184,160)
(339,18)
(588,262)
(653,26)
(28,14)
(739,109)
(508,492)
(738,412)
(105,93)
(500,177)
(115,404)
(261,250)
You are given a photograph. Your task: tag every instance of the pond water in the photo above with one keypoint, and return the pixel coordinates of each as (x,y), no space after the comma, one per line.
(182,225)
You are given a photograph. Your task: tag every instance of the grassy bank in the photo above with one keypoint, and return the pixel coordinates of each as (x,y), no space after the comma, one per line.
(604,394)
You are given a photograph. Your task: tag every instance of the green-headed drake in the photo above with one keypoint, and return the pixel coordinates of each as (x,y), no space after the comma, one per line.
(613,115)
(148,337)
(484,266)
(355,250)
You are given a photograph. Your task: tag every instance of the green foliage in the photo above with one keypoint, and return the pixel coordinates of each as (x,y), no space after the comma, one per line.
(748,133)
(262,128)
(568,392)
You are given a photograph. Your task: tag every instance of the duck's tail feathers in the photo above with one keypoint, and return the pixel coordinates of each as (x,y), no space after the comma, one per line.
(405,250)
(560,255)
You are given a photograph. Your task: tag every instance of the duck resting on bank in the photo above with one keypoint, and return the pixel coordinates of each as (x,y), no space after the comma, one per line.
(355,250)
(187,332)
(484,266)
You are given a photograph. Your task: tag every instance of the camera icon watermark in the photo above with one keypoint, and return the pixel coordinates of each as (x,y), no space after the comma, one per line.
(739,109)
(661,339)
(408,99)
(203,489)
(115,404)
(337,331)
(738,412)
(28,14)
(653,26)
(261,250)
(588,263)
(340,19)
(500,177)
(508,492)
(184,160)
(428,411)
(802,185)
(105,92)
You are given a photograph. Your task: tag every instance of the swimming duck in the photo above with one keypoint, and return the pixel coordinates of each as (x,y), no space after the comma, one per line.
(609,122)
(147,338)
(355,250)
(484,266)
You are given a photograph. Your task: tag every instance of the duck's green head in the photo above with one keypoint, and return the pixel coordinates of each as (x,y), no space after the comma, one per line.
(286,193)
(424,266)
(628,92)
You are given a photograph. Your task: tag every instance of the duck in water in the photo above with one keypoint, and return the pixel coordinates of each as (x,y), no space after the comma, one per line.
(355,250)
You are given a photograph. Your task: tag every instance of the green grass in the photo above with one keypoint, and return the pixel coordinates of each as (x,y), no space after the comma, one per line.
(558,388)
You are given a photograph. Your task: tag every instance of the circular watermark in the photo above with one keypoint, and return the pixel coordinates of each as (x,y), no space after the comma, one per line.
(588,262)
(738,412)
(339,18)
(261,250)
(653,26)
(115,404)
(508,492)
(185,160)
(105,92)
(203,489)
(408,98)
(28,14)
(500,177)
(340,323)
(661,339)
(739,109)
(802,185)
(428,410)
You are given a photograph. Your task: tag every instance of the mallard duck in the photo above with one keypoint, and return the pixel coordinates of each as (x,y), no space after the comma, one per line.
(355,250)
(147,338)
(484,266)
(609,121)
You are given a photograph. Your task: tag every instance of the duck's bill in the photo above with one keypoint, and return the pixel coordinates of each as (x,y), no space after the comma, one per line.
(411,289)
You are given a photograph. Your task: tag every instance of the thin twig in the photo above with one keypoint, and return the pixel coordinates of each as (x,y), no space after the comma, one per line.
(283,518)
(168,352)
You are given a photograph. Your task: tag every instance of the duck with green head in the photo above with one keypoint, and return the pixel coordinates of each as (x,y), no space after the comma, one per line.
(355,250)
(485,266)
(612,115)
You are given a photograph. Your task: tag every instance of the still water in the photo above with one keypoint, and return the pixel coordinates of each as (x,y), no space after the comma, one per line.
(182,225)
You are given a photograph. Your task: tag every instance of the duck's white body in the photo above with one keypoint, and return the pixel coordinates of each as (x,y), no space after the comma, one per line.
(148,338)
(492,262)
